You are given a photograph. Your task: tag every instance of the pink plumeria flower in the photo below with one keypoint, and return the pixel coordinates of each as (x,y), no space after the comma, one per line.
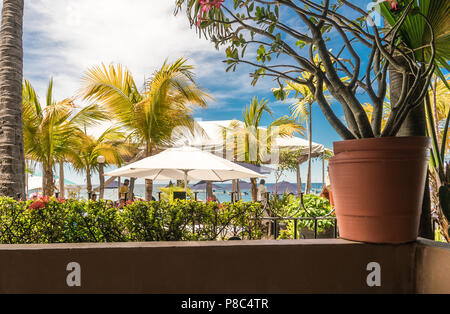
(393,4)
(206,6)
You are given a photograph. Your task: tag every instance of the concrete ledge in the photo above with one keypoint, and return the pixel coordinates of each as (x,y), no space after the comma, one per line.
(287,266)
(432,267)
(173,244)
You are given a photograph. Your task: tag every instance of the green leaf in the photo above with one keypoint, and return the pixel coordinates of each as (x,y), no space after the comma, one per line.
(444,137)
(300,44)
(444,200)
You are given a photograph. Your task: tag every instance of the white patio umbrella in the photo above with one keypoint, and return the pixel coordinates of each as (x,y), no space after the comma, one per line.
(34,183)
(185,163)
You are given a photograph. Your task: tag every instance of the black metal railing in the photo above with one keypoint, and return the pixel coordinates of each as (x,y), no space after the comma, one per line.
(275,221)
(276,227)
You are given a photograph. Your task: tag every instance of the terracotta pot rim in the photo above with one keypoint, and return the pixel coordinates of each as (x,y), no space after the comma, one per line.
(350,160)
(383,143)
(386,139)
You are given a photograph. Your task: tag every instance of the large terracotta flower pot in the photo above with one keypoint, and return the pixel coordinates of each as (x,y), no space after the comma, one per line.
(378,186)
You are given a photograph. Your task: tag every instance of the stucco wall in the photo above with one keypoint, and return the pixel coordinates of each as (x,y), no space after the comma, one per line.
(432,269)
(287,266)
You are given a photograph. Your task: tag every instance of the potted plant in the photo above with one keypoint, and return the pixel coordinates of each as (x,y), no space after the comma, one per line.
(377,176)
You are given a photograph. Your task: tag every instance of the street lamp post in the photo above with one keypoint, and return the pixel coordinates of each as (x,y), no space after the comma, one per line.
(101,161)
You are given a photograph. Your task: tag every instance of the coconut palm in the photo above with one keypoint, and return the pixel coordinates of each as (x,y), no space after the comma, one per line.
(12,170)
(437,114)
(301,110)
(439,96)
(50,130)
(422,30)
(150,116)
(256,140)
(438,117)
(111,144)
(424,35)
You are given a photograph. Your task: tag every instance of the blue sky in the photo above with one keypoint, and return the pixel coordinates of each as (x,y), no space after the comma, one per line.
(62,38)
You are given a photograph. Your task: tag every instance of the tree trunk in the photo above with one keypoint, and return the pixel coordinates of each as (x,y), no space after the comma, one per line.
(26,178)
(88,181)
(233,190)
(414,125)
(148,189)
(436,120)
(299,181)
(209,189)
(238,190)
(308,178)
(425,227)
(12,158)
(102,181)
(254,189)
(61,179)
(131,188)
(48,184)
(148,183)
(118,190)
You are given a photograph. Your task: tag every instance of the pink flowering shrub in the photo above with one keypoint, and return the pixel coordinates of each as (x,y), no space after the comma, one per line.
(42,202)
(38,204)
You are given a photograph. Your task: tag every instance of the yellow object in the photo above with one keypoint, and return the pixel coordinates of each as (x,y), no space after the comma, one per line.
(123,190)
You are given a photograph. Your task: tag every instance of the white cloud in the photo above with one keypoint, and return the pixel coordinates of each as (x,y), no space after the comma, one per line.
(74,35)
(63,38)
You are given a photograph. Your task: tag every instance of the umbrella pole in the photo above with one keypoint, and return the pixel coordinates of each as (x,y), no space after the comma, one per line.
(323,170)
(185,182)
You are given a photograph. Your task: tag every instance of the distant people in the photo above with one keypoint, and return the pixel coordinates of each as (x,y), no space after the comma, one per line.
(261,195)
(94,197)
(326,191)
(124,189)
(213,198)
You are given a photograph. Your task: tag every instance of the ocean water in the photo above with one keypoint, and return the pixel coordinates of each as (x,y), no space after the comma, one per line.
(222,194)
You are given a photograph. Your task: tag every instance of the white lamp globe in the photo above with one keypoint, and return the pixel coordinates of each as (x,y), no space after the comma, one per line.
(101,159)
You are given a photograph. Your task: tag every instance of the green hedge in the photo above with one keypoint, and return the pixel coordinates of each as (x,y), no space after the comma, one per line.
(49,220)
(68,221)
(315,205)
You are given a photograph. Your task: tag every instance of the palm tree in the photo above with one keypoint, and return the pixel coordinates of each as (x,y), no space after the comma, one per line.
(50,131)
(150,116)
(420,31)
(439,95)
(255,138)
(12,169)
(302,110)
(111,144)
(430,22)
